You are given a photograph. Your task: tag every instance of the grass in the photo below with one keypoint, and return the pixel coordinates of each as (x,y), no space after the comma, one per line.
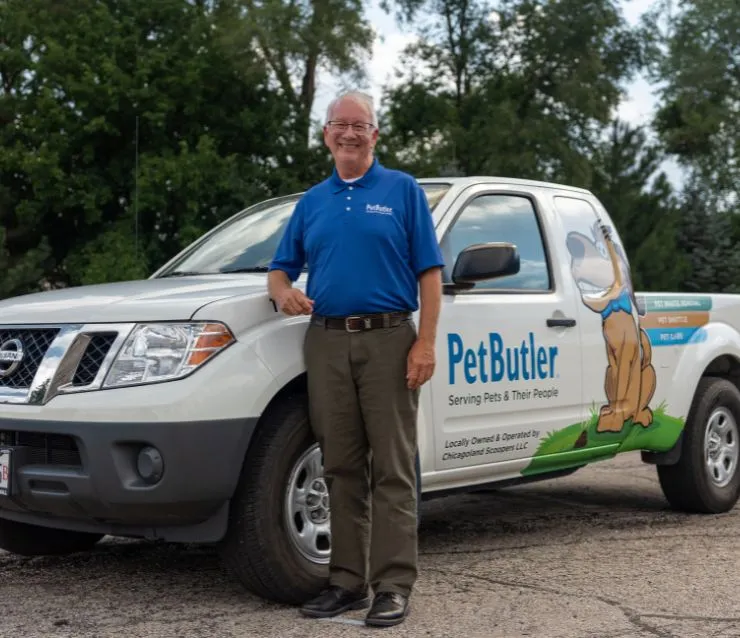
(559,450)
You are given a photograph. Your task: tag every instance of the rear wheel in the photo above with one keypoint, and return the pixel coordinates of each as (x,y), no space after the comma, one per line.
(34,540)
(706,478)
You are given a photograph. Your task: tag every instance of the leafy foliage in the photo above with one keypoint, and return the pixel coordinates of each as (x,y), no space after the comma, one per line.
(297,38)
(696,55)
(91,88)
(627,179)
(706,238)
(130,127)
(521,91)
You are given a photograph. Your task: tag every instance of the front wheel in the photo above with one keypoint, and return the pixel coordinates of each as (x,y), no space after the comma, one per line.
(278,542)
(706,478)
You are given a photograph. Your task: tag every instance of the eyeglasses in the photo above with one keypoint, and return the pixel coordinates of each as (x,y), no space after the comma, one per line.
(357,127)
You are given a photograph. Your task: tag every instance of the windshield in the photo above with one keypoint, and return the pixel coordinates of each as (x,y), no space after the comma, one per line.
(247,242)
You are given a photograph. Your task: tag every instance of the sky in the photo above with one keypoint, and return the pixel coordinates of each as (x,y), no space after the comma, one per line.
(636,108)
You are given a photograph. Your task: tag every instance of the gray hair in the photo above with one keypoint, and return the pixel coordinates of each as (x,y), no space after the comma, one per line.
(357,96)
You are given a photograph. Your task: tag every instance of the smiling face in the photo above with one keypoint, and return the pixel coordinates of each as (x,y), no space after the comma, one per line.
(352,150)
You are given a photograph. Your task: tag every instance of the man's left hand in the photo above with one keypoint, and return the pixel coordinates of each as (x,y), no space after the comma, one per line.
(420,364)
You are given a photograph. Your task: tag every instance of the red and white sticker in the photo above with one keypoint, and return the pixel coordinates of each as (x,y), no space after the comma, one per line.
(5,472)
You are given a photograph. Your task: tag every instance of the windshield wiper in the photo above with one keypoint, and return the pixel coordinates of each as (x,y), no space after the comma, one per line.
(182,273)
(249,269)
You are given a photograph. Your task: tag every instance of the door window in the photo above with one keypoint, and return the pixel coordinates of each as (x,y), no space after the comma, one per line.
(501,218)
(590,262)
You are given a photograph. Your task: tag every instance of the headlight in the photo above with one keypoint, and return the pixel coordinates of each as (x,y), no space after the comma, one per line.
(166,351)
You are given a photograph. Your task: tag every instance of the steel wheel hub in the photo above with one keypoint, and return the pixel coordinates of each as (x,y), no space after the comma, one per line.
(721,446)
(307,508)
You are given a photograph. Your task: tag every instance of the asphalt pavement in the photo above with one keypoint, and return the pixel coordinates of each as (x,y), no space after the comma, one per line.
(596,554)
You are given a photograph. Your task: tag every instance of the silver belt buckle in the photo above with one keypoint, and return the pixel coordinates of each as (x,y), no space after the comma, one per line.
(367,324)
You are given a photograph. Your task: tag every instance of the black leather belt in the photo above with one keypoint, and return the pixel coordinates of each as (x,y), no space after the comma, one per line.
(360,323)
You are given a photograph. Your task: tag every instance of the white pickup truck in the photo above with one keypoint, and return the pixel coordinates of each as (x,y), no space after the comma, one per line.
(174,408)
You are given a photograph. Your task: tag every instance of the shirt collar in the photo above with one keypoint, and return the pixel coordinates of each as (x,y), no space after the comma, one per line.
(366,181)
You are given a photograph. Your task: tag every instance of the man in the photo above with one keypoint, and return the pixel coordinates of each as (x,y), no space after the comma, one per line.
(367,235)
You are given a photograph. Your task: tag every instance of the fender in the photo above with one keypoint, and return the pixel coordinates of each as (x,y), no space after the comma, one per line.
(694,358)
(274,339)
(715,342)
(279,344)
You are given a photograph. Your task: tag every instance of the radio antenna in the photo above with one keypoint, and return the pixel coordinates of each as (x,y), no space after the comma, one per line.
(136,191)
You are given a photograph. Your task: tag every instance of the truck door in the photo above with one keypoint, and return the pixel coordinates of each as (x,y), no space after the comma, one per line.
(618,378)
(508,351)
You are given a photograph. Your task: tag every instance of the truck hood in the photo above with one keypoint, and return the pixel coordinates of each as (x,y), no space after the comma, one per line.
(172,299)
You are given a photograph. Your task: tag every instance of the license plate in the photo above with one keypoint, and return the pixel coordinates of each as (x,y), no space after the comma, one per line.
(5,467)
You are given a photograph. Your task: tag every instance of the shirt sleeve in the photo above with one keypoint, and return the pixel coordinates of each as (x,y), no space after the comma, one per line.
(290,255)
(423,245)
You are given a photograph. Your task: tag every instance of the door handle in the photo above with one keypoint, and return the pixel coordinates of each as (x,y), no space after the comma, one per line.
(561,323)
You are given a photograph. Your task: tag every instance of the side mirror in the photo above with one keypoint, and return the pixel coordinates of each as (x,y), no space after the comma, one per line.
(481,262)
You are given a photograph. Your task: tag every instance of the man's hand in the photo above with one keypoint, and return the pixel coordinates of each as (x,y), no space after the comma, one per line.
(420,364)
(293,302)
(288,299)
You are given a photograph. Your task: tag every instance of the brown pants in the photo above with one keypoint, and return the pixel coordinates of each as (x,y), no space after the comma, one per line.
(364,417)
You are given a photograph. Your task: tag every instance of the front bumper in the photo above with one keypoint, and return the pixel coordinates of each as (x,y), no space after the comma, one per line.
(83,475)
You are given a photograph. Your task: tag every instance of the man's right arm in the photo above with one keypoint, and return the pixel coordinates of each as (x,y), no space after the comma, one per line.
(278,283)
(286,266)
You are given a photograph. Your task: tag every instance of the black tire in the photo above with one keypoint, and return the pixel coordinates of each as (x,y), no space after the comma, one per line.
(257,546)
(34,540)
(688,485)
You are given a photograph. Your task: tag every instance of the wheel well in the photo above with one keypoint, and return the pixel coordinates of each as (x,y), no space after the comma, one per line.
(296,386)
(723,367)
(726,367)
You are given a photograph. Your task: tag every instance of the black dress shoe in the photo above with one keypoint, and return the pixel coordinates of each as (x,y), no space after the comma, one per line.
(334,601)
(388,609)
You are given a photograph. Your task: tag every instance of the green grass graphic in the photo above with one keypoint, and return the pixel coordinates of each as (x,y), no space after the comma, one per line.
(558,450)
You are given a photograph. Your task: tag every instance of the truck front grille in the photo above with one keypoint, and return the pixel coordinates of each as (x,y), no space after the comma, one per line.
(92,359)
(34,342)
(46,448)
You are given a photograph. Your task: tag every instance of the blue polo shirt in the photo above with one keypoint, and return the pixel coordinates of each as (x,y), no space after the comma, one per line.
(365,243)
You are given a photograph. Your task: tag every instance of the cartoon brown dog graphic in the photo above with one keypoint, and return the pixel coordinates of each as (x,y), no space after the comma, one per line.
(600,269)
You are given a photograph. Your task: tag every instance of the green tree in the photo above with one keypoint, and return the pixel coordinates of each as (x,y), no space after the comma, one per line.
(627,179)
(706,239)
(696,60)
(127,127)
(522,91)
(295,39)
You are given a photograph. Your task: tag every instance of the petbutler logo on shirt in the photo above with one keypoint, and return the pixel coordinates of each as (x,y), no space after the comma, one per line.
(378,209)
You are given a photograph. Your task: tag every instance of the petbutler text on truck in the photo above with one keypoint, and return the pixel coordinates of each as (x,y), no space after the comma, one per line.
(175,407)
